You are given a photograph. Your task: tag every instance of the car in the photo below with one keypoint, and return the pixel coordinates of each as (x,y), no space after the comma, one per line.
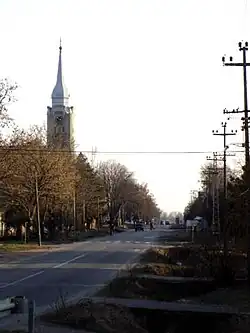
(139,227)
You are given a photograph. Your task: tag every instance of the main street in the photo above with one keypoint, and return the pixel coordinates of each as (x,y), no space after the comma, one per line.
(74,268)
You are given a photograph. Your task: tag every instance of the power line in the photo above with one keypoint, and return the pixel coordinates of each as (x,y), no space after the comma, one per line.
(20,150)
(158,152)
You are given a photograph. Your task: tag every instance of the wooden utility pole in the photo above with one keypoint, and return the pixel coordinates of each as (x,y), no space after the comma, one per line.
(74,210)
(93,155)
(207,184)
(38,212)
(244,64)
(213,174)
(83,213)
(98,209)
(224,134)
(193,195)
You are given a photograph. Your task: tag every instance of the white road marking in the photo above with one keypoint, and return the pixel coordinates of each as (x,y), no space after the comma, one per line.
(98,266)
(2,286)
(60,285)
(39,273)
(68,261)
(21,260)
(21,280)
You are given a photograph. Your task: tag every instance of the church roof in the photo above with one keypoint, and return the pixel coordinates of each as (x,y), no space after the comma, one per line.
(60,95)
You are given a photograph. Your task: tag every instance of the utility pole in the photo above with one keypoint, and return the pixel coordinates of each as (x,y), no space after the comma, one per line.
(38,212)
(74,210)
(243,128)
(244,64)
(225,215)
(225,134)
(83,212)
(207,184)
(98,220)
(93,155)
(193,195)
(213,174)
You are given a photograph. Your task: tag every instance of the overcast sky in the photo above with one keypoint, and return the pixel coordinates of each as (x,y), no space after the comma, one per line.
(144,75)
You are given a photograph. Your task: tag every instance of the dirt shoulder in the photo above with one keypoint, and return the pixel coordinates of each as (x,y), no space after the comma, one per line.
(9,247)
(15,251)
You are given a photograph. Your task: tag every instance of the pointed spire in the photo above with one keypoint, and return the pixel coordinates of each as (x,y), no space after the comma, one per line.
(60,95)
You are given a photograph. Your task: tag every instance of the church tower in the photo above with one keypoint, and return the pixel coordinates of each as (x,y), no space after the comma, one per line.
(60,117)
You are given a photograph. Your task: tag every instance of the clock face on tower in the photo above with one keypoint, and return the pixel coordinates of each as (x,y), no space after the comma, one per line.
(59,119)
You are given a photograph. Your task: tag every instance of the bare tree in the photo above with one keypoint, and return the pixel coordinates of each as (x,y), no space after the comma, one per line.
(35,167)
(7,90)
(122,191)
(147,204)
(89,192)
(116,181)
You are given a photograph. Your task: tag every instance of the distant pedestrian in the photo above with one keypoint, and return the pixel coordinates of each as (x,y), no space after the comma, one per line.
(111,229)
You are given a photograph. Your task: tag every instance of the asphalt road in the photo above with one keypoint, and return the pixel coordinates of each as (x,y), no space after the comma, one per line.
(73,268)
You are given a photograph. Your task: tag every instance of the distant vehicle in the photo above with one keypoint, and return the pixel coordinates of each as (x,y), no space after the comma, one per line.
(139,226)
(164,222)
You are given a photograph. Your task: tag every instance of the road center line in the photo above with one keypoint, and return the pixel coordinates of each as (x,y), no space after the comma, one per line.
(21,280)
(68,261)
(22,260)
(13,283)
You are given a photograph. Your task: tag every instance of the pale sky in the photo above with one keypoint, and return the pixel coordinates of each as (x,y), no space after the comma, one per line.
(144,75)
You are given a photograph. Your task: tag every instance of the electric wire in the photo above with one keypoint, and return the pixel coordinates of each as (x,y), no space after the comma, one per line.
(23,150)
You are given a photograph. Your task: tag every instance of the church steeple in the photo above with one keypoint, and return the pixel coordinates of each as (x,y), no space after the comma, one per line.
(60,95)
(60,117)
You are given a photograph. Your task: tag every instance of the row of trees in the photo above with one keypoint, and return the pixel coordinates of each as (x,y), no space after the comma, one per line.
(40,184)
(172,216)
(204,205)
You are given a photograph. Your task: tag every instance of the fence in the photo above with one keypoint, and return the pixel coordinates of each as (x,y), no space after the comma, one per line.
(19,305)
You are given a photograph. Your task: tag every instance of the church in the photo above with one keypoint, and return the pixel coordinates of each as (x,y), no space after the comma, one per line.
(60,116)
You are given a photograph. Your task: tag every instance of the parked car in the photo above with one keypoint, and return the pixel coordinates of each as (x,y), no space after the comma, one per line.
(139,226)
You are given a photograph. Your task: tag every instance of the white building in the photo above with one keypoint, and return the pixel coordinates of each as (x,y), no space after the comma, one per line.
(60,117)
